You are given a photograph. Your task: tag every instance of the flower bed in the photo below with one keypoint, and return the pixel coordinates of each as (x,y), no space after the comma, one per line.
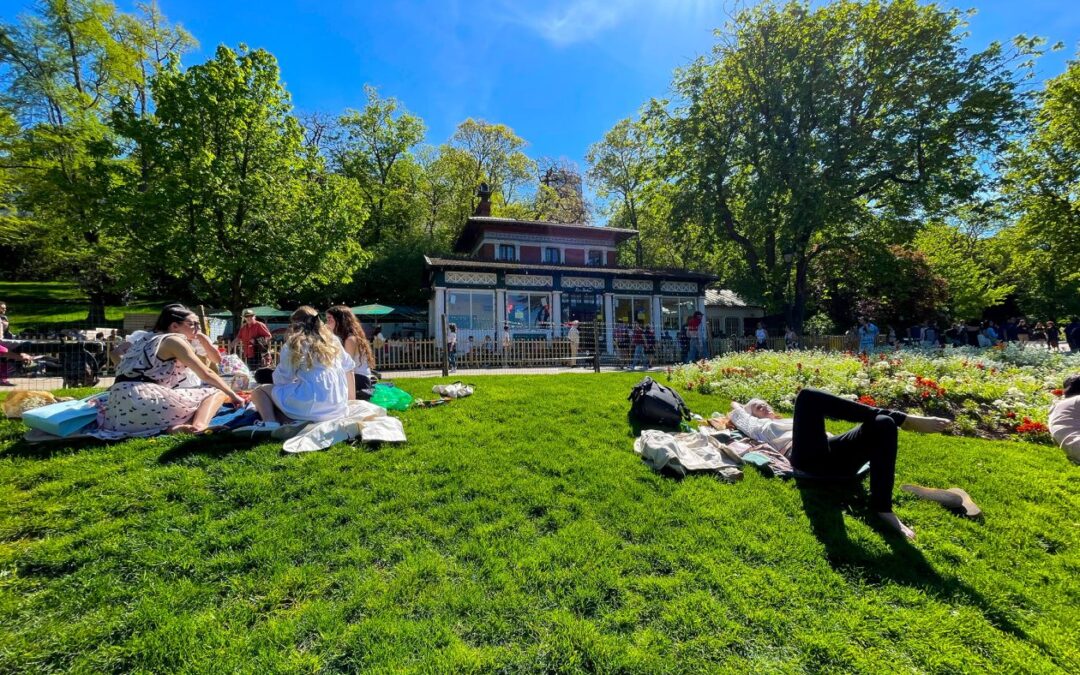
(992,393)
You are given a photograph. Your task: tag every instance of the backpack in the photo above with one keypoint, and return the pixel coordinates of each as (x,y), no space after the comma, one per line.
(653,404)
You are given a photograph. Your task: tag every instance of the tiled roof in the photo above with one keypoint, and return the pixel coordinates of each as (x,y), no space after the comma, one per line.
(723,298)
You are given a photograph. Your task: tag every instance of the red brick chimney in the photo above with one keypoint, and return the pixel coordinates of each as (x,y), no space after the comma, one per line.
(484,207)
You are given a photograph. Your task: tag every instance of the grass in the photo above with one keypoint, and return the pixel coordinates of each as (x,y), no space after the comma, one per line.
(517,531)
(59,304)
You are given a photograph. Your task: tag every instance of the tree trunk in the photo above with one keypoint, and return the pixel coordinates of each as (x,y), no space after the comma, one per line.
(95,316)
(798,309)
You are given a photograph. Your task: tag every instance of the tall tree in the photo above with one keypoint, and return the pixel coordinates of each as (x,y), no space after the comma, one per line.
(239,205)
(809,126)
(559,196)
(492,153)
(1043,182)
(374,149)
(67,68)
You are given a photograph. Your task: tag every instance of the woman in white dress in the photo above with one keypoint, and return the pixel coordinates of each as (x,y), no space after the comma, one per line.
(313,381)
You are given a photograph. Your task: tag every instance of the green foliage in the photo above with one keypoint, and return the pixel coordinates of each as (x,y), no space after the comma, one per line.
(813,127)
(230,198)
(1043,181)
(68,66)
(959,260)
(375,151)
(496,540)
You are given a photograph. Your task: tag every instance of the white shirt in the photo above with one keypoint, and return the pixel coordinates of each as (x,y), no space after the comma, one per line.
(776,432)
(1064,423)
(314,394)
(573,335)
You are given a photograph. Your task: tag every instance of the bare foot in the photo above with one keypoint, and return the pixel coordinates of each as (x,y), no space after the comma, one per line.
(184,429)
(925,425)
(892,521)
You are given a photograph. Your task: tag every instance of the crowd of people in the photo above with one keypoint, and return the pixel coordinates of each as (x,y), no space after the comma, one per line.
(164,383)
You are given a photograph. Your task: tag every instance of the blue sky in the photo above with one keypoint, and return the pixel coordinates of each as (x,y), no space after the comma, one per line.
(559,73)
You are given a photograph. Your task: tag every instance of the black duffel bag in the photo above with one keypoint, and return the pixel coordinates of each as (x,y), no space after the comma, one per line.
(653,404)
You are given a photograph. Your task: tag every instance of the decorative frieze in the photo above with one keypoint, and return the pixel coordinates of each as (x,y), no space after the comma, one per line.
(679,287)
(471,278)
(583,282)
(632,285)
(530,280)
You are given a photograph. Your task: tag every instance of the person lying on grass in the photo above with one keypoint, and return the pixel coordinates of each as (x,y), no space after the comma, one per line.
(313,381)
(803,439)
(149,395)
(1064,421)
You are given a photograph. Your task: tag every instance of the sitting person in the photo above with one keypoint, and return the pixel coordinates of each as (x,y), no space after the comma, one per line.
(804,441)
(312,381)
(1064,421)
(149,395)
(343,323)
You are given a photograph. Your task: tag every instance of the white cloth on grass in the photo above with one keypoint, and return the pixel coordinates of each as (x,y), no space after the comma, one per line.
(686,452)
(362,418)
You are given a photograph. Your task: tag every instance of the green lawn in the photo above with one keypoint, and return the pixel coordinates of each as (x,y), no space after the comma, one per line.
(517,531)
(36,304)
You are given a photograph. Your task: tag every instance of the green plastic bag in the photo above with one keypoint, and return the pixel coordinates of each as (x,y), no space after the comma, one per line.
(390,397)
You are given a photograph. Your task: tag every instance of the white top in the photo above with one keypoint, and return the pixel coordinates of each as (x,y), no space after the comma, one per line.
(317,394)
(1064,423)
(362,367)
(777,433)
(573,335)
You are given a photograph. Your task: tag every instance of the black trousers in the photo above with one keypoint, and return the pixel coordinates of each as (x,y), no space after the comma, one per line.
(873,440)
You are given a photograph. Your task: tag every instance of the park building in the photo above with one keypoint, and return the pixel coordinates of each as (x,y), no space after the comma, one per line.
(533,278)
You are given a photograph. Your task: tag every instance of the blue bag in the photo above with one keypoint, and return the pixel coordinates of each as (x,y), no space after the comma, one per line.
(64,418)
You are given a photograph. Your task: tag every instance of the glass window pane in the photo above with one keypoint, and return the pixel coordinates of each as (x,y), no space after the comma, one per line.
(517,309)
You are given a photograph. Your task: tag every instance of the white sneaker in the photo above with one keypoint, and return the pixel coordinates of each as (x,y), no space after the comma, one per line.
(259,427)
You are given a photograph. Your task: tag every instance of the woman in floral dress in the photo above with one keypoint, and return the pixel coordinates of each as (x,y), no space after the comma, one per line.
(148,396)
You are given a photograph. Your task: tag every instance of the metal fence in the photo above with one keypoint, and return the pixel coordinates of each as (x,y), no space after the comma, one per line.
(71,360)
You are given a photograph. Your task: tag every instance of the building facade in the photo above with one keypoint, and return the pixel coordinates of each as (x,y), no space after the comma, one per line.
(531,279)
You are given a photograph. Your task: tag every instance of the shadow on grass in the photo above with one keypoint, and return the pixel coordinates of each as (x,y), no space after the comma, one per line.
(49,449)
(212,446)
(825,504)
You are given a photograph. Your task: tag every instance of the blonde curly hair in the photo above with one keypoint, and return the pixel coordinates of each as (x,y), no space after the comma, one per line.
(310,340)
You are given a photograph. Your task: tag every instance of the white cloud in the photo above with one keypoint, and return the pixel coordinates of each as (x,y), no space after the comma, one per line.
(572,22)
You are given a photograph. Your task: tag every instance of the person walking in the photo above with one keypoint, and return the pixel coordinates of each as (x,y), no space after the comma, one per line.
(573,337)
(1053,336)
(868,333)
(251,330)
(451,347)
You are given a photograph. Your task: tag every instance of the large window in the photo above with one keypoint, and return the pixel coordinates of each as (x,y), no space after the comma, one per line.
(731,327)
(552,255)
(528,310)
(676,312)
(631,310)
(507,252)
(596,258)
(471,310)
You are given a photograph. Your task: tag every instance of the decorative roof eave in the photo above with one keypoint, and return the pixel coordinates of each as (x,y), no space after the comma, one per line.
(546,267)
(476,224)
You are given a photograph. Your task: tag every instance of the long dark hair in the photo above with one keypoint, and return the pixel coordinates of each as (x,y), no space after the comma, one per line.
(170,314)
(1072,386)
(346,325)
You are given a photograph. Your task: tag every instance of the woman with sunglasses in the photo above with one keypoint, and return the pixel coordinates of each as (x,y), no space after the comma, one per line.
(149,395)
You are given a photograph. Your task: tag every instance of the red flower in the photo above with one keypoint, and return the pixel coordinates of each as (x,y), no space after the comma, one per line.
(1058,392)
(867,399)
(1030,426)
(1011,415)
